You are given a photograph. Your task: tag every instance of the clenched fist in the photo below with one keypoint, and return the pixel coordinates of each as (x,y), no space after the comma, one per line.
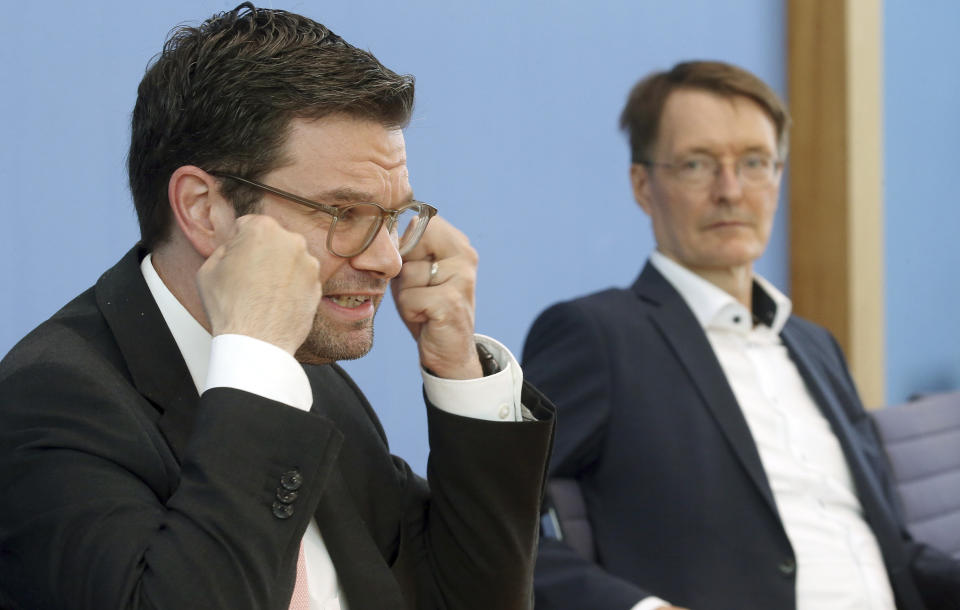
(263,283)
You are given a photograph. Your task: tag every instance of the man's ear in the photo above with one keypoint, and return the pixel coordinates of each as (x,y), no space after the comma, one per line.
(203,215)
(640,181)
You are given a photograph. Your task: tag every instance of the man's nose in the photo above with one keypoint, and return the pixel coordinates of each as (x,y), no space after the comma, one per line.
(728,183)
(381,257)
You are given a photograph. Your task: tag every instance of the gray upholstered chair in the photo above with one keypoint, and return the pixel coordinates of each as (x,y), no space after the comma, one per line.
(565,517)
(922,441)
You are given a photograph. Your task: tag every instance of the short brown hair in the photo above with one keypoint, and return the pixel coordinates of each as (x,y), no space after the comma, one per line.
(641,116)
(221,96)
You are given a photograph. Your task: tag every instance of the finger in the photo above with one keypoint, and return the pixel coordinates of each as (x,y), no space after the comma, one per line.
(440,240)
(444,306)
(453,290)
(442,321)
(239,224)
(416,274)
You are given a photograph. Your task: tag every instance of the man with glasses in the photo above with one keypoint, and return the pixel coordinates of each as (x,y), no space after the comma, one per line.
(180,436)
(723,455)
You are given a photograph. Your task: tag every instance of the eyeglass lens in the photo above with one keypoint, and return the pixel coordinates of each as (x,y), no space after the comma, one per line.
(358,224)
(703,169)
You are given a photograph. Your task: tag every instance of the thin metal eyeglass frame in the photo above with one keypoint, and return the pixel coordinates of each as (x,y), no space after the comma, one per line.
(425,209)
(777,166)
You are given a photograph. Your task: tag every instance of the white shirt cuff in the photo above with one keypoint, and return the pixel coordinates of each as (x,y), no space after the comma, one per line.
(494,398)
(258,367)
(650,603)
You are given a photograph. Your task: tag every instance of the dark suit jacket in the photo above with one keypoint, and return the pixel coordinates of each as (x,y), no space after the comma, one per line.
(124,489)
(672,480)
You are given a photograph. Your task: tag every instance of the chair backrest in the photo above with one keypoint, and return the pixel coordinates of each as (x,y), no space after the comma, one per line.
(922,442)
(565,501)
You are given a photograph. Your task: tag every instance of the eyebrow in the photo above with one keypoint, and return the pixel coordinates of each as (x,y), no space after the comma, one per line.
(705,150)
(345,194)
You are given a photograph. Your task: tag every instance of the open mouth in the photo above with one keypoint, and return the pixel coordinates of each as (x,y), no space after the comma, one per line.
(350,301)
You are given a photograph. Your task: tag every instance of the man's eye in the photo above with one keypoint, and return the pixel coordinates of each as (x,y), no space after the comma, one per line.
(756,162)
(349,214)
(695,164)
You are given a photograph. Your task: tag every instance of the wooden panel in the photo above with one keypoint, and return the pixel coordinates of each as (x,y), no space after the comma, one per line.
(836,203)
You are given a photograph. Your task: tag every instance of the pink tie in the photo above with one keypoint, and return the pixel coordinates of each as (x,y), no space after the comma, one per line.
(301,597)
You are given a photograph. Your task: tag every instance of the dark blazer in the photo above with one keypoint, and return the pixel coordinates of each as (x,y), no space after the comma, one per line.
(124,489)
(672,480)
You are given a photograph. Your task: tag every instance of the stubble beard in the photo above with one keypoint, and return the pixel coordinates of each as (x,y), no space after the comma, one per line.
(325,344)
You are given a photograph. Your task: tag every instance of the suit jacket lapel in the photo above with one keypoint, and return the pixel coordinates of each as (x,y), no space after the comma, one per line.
(363,575)
(817,377)
(152,357)
(688,341)
(362,571)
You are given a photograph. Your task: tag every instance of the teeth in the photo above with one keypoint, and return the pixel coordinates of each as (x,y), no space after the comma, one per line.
(349,300)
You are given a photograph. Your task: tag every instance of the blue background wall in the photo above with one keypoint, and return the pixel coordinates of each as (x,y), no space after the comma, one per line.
(922,196)
(514,138)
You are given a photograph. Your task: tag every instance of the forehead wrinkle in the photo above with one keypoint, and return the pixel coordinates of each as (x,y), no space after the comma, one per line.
(345,195)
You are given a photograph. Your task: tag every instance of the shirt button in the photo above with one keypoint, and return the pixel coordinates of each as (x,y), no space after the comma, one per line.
(788,567)
(291,480)
(504,412)
(282,511)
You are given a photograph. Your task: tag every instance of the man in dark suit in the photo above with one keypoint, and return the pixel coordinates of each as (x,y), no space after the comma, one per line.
(179,435)
(724,456)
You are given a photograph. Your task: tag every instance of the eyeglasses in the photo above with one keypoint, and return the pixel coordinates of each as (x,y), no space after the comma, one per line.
(355,225)
(700,170)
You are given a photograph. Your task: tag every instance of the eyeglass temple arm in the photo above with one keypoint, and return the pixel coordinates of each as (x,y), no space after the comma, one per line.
(311,204)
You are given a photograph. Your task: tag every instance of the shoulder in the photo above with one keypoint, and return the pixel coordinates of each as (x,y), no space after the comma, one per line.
(583,324)
(811,335)
(66,385)
(806,327)
(819,343)
(77,336)
(603,306)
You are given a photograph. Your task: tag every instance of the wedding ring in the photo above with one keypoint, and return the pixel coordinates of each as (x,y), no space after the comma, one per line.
(434,267)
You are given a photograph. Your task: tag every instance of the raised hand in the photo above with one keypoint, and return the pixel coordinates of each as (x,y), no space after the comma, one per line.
(434,294)
(263,283)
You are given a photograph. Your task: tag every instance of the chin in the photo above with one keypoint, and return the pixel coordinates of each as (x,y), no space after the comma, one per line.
(736,256)
(324,347)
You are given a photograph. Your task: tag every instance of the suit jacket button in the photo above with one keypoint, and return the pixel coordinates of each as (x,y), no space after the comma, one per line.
(788,567)
(282,511)
(291,480)
(286,496)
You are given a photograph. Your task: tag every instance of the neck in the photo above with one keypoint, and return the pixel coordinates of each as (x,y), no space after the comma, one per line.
(735,281)
(178,270)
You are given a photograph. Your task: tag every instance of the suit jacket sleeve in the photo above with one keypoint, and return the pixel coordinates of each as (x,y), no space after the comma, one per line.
(470,540)
(565,357)
(95,515)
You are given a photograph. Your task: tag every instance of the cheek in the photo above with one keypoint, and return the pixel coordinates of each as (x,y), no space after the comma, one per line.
(317,246)
(766,208)
(686,215)
(330,265)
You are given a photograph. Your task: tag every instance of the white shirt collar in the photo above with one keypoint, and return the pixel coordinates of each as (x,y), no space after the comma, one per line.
(192,338)
(714,307)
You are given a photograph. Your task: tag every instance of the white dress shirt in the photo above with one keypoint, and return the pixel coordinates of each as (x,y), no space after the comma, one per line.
(258,367)
(839,564)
